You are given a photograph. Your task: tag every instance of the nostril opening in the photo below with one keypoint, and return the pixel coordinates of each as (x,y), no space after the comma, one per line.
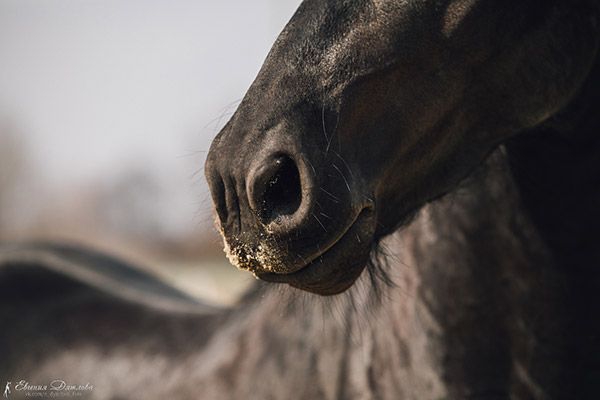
(283,191)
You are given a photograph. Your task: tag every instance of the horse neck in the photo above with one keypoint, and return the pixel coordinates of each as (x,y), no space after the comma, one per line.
(556,169)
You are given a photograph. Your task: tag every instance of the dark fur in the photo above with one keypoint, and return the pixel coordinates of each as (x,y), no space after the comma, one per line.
(489,290)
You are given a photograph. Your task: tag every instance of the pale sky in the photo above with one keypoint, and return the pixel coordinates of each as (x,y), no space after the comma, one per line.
(97,85)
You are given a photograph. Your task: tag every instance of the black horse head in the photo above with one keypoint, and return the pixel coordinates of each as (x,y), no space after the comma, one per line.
(364,111)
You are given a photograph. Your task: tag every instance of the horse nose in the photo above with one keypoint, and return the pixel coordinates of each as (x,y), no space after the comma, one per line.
(275,191)
(222,192)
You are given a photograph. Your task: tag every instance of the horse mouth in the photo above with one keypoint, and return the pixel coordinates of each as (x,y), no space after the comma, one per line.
(336,268)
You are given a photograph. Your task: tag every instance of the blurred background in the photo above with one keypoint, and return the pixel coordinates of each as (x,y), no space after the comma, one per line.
(107,110)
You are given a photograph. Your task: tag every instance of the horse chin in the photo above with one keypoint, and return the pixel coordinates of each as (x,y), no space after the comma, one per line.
(336,269)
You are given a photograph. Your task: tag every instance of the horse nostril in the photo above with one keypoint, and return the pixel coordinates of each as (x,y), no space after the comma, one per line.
(281,192)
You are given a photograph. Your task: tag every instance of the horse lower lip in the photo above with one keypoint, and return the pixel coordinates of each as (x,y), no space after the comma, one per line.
(287,278)
(319,255)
